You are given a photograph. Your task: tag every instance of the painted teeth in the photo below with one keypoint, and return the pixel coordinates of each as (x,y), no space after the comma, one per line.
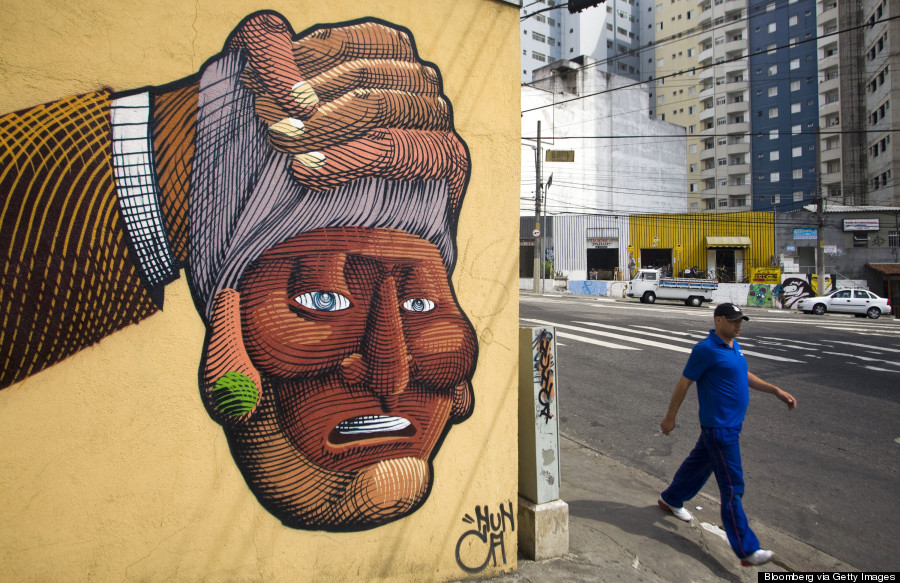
(372,424)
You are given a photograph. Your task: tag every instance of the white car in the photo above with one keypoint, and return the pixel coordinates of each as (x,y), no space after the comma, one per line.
(847,301)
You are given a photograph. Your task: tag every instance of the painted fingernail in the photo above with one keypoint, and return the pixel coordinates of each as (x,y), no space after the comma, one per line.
(289,126)
(304,94)
(311,159)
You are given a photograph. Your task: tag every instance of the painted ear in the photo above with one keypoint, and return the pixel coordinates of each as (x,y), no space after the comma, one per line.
(463,402)
(229,383)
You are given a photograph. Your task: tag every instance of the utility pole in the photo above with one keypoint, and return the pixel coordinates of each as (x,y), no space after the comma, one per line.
(538,252)
(820,244)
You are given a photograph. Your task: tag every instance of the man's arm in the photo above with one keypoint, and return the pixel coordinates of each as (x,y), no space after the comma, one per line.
(758,384)
(681,389)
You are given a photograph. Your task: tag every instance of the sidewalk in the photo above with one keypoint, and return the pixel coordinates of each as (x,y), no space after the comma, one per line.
(617,533)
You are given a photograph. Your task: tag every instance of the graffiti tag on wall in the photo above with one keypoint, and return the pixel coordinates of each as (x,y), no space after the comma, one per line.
(309,185)
(480,545)
(544,371)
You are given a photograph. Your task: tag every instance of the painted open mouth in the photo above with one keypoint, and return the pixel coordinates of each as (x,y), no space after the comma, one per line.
(369,427)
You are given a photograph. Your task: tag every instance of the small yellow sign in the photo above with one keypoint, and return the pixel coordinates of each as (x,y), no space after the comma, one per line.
(770,275)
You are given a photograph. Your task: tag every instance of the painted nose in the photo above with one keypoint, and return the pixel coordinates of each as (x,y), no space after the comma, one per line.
(384,348)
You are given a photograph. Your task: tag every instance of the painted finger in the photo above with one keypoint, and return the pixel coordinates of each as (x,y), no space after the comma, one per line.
(391,154)
(267,40)
(413,77)
(359,112)
(326,48)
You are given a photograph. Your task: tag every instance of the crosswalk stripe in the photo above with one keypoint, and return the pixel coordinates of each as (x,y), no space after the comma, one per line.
(593,341)
(611,335)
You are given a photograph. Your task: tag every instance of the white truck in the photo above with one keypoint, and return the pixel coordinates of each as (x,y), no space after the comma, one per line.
(648,285)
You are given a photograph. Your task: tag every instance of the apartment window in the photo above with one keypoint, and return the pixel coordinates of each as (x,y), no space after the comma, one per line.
(798,195)
(720,101)
(742,201)
(538,56)
(773,112)
(721,141)
(773,134)
(692,109)
(723,202)
(773,91)
(795,108)
(538,37)
(792,21)
(796,130)
(774,177)
(722,161)
(795,64)
(693,148)
(796,152)
(774,155)
(721,121)
(893,238)
(773,70)
(795,85)
(770,7)
(691,52)
(692,168)
(776,198)
(797,173)
(771,27)
(860,239)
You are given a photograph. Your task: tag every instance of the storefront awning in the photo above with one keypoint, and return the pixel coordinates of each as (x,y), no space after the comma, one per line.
(728,241)
(886,268)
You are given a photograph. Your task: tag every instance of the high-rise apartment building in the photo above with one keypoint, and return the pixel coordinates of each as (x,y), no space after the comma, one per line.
(781,99)
(610,33)
(878,90)
(784,90)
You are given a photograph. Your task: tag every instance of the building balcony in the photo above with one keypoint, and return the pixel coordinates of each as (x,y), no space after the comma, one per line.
(723,191)
(705,17)
(826,109)
(829,85)
(707,93)
(830,155)
(739,66)
(829,62)
(707,113)
(735,86)
(742,148)
(737,128)
(735,107)
(736,45)
(742,169)
(707,74)
(830,12)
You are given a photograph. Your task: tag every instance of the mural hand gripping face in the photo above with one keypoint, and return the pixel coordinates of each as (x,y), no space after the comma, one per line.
(310,186)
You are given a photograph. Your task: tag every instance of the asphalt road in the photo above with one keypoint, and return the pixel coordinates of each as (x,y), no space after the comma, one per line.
(826,473)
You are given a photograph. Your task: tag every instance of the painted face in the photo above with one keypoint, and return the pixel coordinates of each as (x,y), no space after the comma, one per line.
(365,357)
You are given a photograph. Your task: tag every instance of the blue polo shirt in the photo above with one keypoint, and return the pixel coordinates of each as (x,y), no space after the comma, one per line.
(723,389)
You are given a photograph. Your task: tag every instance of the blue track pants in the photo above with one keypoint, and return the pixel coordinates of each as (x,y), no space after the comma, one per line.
(717,451)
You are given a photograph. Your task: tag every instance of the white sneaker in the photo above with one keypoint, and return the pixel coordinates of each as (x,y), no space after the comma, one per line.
(756,558)
(680,513)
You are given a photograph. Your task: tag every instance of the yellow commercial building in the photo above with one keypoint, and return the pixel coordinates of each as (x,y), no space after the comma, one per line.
(725,246)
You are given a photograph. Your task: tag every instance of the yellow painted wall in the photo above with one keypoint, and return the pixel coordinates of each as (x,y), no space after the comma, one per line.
(667,231)
(112,470)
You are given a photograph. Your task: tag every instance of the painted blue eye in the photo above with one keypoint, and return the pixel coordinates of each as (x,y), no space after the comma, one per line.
(323,301)
(418,305)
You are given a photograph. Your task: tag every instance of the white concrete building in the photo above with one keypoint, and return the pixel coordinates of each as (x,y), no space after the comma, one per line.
(624,162)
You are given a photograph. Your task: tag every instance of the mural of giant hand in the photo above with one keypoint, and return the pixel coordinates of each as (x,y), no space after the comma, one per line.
(310,186)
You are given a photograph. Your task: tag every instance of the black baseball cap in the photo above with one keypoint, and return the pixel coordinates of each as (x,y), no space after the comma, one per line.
(729,312)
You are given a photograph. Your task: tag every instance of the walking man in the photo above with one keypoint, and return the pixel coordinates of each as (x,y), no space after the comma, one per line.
(723,382)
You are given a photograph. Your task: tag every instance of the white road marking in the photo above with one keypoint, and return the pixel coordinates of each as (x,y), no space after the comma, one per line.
(611,335)
(592,341)
(859,357)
